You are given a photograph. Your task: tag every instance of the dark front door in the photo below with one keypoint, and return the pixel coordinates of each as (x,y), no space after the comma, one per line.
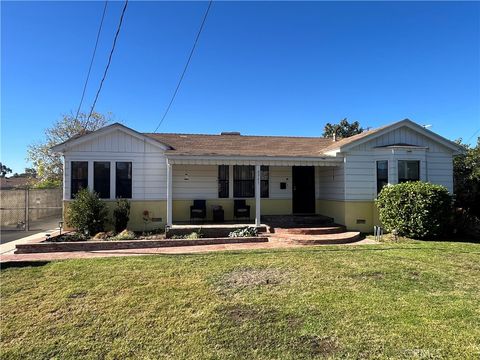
(303,180)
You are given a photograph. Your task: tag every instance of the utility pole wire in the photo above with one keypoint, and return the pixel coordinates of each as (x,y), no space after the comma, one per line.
(108,64)
(91,61)
(186,66)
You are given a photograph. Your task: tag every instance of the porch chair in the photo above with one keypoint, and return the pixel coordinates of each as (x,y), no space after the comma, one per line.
(241,209)
(198,210)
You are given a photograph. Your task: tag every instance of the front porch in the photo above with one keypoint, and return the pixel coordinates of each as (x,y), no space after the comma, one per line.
(213,186)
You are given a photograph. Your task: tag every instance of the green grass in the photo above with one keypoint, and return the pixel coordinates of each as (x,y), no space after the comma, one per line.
(407,300)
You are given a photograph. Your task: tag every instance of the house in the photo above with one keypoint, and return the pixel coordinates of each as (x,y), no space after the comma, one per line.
(163,174)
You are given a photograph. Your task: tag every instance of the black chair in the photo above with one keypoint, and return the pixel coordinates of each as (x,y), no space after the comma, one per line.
(241,209)
(198,210)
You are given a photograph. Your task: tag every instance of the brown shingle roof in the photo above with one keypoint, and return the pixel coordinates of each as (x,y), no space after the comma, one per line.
(243,145)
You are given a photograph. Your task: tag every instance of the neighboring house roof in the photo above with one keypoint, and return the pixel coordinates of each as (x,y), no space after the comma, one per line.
(234,144)
(243,145)
(14,182)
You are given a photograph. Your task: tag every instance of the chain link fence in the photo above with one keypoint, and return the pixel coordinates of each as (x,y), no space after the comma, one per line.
(29,209)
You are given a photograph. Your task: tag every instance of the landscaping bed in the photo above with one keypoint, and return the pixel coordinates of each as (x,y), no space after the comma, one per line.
(93,245)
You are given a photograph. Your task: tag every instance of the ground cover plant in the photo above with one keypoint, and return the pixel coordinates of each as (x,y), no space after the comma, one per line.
(394,300)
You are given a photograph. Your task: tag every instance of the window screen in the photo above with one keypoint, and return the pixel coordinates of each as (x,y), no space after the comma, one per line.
(101,179)
(123,180)
(382,174)
(243,181)
(223,176)
(79,177)
(408,170)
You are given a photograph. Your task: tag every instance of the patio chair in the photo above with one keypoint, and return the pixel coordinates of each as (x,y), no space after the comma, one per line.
(241,209)
(198,210)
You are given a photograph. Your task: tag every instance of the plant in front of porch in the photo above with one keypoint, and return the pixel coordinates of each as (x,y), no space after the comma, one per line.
(417,210)
(121,215)
(248,231)
(87,213)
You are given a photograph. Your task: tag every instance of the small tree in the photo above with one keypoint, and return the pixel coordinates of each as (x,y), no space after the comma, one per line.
(4,170)
(121,215)
(343,129)
(87,213)
(415,209)
(47,164)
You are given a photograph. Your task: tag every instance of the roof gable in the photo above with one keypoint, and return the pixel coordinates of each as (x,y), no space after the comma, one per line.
(366,136)
(103,132)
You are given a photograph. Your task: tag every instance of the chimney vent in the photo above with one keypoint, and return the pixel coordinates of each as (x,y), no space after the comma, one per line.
(236,133)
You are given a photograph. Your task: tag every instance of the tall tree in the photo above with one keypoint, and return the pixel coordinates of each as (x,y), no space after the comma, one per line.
(47,164)
(342,130)
(4,170)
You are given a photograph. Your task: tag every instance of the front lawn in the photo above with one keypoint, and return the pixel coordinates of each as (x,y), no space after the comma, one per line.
(407,300)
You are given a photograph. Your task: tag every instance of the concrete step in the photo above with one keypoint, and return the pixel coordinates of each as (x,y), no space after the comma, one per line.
(337,238)
(296,220)
(311,230)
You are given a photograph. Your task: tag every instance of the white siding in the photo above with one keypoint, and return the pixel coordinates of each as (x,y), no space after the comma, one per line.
(148,163)
(360,162)
(331,183)
(195,182)
(280,174)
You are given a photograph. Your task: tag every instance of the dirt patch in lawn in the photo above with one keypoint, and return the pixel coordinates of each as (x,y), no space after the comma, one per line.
(316,345)
(247,278)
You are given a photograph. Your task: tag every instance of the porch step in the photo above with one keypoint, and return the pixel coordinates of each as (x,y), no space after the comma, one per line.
(326,239)
(311,230)
(285,221)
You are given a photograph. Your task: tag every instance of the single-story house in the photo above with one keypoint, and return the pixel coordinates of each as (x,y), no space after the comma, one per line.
(163,173)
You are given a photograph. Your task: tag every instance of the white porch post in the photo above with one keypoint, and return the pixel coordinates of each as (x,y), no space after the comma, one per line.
(257,195)
(169,194)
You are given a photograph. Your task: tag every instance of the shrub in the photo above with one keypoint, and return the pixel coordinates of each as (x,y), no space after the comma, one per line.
(124,235)
(414,209)
(121,215)
(244,232)
(87,213)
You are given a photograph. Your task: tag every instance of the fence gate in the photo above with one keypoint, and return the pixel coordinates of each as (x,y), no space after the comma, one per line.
(36,209)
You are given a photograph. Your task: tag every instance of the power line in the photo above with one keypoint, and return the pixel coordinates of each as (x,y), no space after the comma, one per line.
(93,57)
(471,137)
(108,63)
(186,66)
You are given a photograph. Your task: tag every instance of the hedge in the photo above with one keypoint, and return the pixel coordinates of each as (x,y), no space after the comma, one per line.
(417,210)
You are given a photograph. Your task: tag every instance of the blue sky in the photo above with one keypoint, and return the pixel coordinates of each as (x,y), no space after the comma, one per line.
(275,68)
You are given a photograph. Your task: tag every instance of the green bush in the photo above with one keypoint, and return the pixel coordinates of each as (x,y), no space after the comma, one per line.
(87,213)
(121,215)
(417,210)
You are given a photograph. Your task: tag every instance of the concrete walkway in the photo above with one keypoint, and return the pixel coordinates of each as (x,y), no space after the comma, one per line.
(272,244)
(9,247)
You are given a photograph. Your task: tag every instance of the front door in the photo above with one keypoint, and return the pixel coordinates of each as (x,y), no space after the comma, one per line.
(303,190)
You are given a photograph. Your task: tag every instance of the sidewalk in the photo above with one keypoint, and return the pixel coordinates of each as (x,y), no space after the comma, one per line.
(272,244)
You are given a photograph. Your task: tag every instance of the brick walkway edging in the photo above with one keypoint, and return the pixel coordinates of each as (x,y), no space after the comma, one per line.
(49,247)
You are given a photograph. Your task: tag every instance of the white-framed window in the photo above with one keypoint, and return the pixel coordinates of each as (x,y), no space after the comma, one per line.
(408,170)
(101,179)
(382,174)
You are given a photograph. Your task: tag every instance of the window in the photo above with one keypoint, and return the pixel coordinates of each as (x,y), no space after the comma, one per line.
(408,170)
(243,181)
(223,181)
(101,179)
(264,181)
(79,178)
(123,180)
(382,174)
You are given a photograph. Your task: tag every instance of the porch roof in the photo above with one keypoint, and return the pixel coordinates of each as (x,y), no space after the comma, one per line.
(254,160)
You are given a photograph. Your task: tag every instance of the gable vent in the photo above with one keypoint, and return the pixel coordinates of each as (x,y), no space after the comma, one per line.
(230,133)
